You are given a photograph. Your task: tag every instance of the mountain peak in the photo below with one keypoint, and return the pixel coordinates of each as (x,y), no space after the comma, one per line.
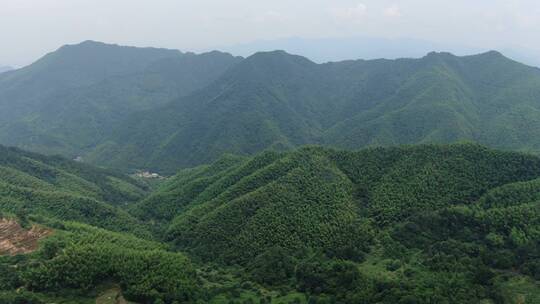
(87,44)
(93,42)
(492,57)
(268,66)
(493,53)
(490,54)
(98,45)
(274,52)
(216,53)
(442,55)
(92,60)
(448,57)
(278,55)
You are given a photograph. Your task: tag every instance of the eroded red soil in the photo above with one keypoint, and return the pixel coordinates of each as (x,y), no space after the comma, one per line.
(16,240)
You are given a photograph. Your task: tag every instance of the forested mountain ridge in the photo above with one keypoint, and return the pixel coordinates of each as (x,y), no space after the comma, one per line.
(277,100)
(77,234)
(237,203)
(66,102)
(412,224)
(415,224)
(51,186)
(161,109)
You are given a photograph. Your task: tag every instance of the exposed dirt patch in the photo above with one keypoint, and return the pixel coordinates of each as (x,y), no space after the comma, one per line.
(16,240)
(112,296)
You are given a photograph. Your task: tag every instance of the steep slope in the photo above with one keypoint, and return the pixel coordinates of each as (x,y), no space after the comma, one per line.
(276,100)
(413,224)
(271,99)
(80,258)
(68,101)
(59,199)
(239,114)
(110,104)
(53,187)
(423,224)
(492,244)
(16,240)
(325,199)
(477,98)
(72,66)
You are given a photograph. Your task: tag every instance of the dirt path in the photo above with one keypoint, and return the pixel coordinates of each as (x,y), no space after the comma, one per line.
(16,240)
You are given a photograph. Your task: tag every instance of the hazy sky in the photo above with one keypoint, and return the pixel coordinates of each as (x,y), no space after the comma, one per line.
(30,28)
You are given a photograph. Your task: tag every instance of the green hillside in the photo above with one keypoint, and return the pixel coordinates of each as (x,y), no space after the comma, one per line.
(70,99)
(253,212)
(317,197)
(419,224)
(279,101)
(79,259)
(145,108)
(411,224)
(32,184)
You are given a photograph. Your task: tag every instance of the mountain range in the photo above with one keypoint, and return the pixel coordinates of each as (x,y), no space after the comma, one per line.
(334,49)
(263,196)
(162,110)
(70,99)
(320,196)
(418,224)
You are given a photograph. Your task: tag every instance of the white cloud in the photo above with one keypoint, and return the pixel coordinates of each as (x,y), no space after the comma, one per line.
(392,11)
(354,13)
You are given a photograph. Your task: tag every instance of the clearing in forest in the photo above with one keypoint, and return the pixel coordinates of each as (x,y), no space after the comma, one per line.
(14,239)
(112,295)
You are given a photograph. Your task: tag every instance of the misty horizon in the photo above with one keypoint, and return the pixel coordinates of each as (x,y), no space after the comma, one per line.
(32,29)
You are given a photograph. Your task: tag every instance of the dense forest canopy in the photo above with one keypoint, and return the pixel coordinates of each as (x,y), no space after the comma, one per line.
(412,224)
(69,100)
(158,176)
(162,110)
